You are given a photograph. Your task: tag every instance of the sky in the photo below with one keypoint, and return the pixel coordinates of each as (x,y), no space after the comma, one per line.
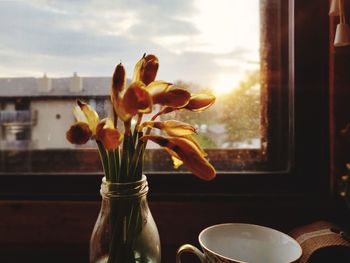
(212,43)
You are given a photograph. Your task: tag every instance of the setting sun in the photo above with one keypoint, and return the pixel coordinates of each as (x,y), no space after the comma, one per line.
(225,84)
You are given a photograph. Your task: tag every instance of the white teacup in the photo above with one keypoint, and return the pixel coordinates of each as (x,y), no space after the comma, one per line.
(243,243)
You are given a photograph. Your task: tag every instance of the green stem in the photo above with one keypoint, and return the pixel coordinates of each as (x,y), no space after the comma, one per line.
(104,158)
(124,231)
(112,170)
(136,157)
(136,129)
(117,163)
(125,159)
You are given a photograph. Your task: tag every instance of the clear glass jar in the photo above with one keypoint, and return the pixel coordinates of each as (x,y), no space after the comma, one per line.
(125,231)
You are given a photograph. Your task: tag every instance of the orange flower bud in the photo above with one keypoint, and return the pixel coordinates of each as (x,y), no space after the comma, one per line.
(110,137)
(174,98)
(171,127)
(79,133)
(200,102)
(158,86)
(150,69)
(119,79)
(137,99)
(188,153)
(146,69)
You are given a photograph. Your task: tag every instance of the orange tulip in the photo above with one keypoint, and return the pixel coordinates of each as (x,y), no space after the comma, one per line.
(158,86)
(85,113)
(176,98)
(192,139)
(188,153)
(119,79)
(110,137)
(171,127)
(118,86)
(137,99)
(146,69)
(79,133)
(85,128)
(200,102)
(196,102)
(150,69)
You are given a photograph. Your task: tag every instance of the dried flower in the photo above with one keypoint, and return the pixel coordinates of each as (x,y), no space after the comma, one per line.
(171,127)
(187,152)
(133,101)
(110,137)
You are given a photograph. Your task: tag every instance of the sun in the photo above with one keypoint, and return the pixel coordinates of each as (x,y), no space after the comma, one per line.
(224,84)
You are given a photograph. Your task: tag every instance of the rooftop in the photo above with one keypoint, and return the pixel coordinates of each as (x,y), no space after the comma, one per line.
(60,87)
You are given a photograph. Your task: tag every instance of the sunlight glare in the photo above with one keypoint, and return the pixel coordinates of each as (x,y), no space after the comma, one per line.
(226,24)
(225,84)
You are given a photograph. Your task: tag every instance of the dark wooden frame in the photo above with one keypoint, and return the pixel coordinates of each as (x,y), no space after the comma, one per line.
(308,170)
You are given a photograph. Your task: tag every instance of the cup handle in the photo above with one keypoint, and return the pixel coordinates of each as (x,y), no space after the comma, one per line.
(191,249)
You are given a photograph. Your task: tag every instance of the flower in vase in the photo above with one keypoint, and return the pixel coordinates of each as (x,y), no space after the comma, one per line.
(90,126)
(122,152)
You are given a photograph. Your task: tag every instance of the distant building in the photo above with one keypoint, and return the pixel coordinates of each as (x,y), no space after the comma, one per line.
(35,113)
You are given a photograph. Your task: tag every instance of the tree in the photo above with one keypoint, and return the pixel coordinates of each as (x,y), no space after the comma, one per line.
(241,110)
(201,120)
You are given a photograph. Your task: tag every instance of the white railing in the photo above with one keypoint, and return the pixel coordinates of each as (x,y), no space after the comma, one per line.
(24,117)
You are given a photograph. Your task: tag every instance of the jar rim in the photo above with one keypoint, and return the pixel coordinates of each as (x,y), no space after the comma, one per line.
(124,190)
(144,178)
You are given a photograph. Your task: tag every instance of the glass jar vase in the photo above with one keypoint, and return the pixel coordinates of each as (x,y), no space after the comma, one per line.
(125,231)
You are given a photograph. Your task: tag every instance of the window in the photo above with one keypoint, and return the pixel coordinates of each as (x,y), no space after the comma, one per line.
(242,51)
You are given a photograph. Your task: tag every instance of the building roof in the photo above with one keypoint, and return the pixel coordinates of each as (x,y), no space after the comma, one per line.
(60,87)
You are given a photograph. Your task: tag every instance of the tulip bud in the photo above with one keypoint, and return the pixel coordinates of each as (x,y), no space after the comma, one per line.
(118,80)
(200,102)
(188,153)
(176,98)
(171,127)
(150,69)
(110,137)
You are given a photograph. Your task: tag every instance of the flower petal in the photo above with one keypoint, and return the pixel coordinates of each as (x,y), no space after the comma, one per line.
(119,79)
(138,69)
(137,99)
(171,127)
(174,98)
(189,137)
(90,114)
(158,86)
(150,69)
(120,109)
(200,102)
(146,69)
(79,133)
(174,157)
(188,153)
(110,137)
(79,114)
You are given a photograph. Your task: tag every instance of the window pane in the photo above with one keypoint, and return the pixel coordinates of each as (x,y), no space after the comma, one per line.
(203,45)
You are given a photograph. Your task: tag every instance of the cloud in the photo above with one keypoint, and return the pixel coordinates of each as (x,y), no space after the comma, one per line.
(91,36)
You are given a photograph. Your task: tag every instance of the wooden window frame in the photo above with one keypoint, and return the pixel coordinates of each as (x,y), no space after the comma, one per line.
(307,173)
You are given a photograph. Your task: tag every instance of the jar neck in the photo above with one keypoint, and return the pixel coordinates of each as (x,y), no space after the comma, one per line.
(124,190)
